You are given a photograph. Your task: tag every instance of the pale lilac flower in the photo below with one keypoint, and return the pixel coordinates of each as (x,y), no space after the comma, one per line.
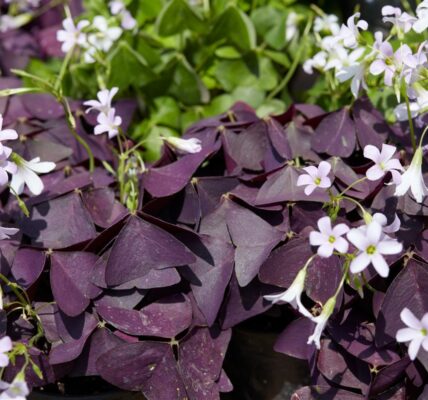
(327,23)
(383,222)
(416,107)
(321,322)
(103,104)
(26,174)
(17,390)
(416,332)
(413,179)
(6,134)
(349,33)
(5,347)
(106,36)
(315,177)
(72,35)
(384,163)
(401,20)
(128,22)
(293,294)
(191,146)
(372,244)
(291,26)
(5,233)
(109,123)
(398,64)
(118,8)
(329,239)
(422,13)
(6,166)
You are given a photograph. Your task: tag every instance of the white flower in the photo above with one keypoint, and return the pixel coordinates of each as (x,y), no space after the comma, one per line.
(353,68)
(6,134)
(422,13)
(5,346)
(321,322)
(327,23)
(5,233)
(72,35)
(109,123)
(293,294)
(26,174)
(315,177)
(6,166)
(318,61)
(416,332)
(106,36)
(103,104)
(383,222)
(329,239)
(17,390)
(372,245)
(413,179)
(401,20)
(291,27)
(349,33)
(384,162)
(192,145)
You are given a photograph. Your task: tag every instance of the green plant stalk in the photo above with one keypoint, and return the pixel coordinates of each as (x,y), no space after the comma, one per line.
(72,126)
(295,64)
(352,185)
(411,126)
(24,301)
(63,70)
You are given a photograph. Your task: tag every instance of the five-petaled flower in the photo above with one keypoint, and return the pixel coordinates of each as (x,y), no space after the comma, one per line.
(109,123)
(293,294)
(72,34)
(321,321)
(26,174)
(349,33)
(191,146)
(372,244)
(413,179)
(416,332)
(315,177)
(383,163)
(329,239)
(103,104)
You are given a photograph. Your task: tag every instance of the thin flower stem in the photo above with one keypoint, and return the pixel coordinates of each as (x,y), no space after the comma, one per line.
(72,125)
(423,136)
(63,70)
(296,62)
(409,116)
(342,281)
(357,203)
(352,185)
(14,288)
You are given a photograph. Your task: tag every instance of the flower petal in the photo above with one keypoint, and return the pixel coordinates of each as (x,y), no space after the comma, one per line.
(409,319)
(360,263)
(380,265)
(372,153)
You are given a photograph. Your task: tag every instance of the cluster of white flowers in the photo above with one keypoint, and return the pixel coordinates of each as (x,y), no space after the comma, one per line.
(98,36)
(108,121)
(363,245)
(352,57)
(23,172)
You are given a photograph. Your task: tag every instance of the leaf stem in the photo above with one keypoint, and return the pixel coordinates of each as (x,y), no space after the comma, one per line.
(411,126)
